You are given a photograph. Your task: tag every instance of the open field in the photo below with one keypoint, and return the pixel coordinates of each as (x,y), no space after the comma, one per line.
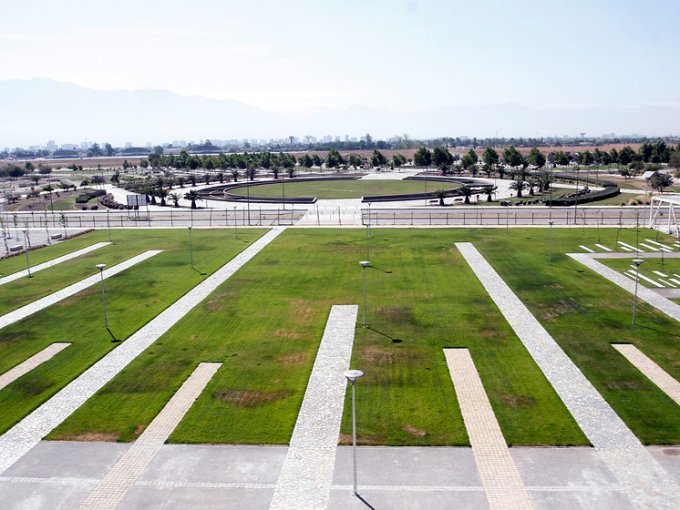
(343,189)
(265,324)
(134,297)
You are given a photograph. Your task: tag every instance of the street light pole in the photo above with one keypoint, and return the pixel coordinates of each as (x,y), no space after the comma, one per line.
(365,264)
(28,263)
(191,249)
(637,262)
(101,274)
(352,376)
(551,242)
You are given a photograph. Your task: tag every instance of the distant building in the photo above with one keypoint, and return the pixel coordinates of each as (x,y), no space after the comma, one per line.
(65,154)
(135,151)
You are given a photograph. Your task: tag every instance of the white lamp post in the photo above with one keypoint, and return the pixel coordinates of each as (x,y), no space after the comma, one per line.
(191,249)
(365,264)
(28,262)
(638,263)
(352,376)
(101,274)
(550,256)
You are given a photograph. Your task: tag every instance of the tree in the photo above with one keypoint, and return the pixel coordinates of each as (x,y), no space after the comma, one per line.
(334,159)
(115,177)
(193,196)
(441,156)
(307,161)
(377,158)
(626,155)
(659,181)
(422,157)
(490,157)
(162,193)
(441,193)
(517,183)
(398,160)
(29,167)
(108,150)
(175,199)
(489,191)
(536,158)
(467,192)
(356,161)
(674,160)
(512,157)
(561,158)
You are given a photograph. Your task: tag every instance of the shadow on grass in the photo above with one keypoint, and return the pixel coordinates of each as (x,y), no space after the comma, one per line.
(114,339)
(199,272)
(381,333)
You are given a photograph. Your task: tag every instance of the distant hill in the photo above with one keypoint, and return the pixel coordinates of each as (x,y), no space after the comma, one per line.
(37,110)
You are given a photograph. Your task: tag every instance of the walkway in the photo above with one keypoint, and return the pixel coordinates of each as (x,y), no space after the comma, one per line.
(651,370)
(51,263)
(123,475)
(17,441)
(644,294)
(36,306)
(642,478)
(502,482)
(307,473)
(36,360)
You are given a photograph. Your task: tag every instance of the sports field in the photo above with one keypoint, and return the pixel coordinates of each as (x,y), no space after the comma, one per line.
(343,189)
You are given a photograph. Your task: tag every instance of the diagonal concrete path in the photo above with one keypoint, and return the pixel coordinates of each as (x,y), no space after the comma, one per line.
(51,263)
(36,360)
(36,306)
(123,475)
(500,477)
(649,296)
(17,441)
(651,370)
(643,480)
(307,473)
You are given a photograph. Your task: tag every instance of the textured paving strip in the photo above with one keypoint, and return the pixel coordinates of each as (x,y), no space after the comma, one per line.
(307,473)
(36,306)
(123,475)
(585,248)
(602,247)
(51,263)
(26,366)
(500,477)
(28,432)
(645,482)
(650,248)
(651,370)
(644,294)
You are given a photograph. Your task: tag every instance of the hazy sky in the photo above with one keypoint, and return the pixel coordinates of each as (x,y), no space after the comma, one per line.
(401,55)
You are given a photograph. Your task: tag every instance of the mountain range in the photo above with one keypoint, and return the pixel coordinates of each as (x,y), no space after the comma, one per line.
(37,110)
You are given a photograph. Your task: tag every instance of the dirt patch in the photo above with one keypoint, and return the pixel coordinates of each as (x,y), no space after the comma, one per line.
(91,437)
(289,334)
(554,310)
(398,314)
(517,401)
(304,312)
(374,355)
(414,431)
(139,429)
(250,398)
(623,385)
(293,359)
(362,439)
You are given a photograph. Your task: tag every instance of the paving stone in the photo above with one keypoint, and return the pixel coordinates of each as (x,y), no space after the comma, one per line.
(307,473)
(112,489)
(28,432)
(644,481)
(51,263)
(36,360)
(651,370)
(502,482)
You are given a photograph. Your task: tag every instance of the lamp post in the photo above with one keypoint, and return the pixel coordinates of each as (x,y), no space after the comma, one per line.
(101,274)
(365,264)
(352,376)
(638,263)
(191,249)
(28,263)
(550,255)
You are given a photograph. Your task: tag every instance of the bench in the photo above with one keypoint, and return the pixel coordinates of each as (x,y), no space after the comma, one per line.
(56,236)
(16,247)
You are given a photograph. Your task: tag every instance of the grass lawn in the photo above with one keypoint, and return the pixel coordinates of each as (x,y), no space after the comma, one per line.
(134,297)
(343,189)
(265,324)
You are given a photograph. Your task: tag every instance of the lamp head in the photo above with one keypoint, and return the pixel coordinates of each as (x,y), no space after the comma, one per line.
(365,263)
(638,262)
(100,266)
(353,375)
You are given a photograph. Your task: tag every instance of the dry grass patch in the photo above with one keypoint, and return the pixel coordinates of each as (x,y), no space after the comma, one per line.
(414,431)
(251,398)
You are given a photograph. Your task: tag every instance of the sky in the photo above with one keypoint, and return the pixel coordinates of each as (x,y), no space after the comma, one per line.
(309,54)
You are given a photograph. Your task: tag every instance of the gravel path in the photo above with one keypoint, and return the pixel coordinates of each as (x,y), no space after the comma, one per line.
(36,306)
(643,480)
(26,366)
(51,263)
(28,432)
(652,371)
(307,473)
(123,475)
(500,477)
(644,294)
